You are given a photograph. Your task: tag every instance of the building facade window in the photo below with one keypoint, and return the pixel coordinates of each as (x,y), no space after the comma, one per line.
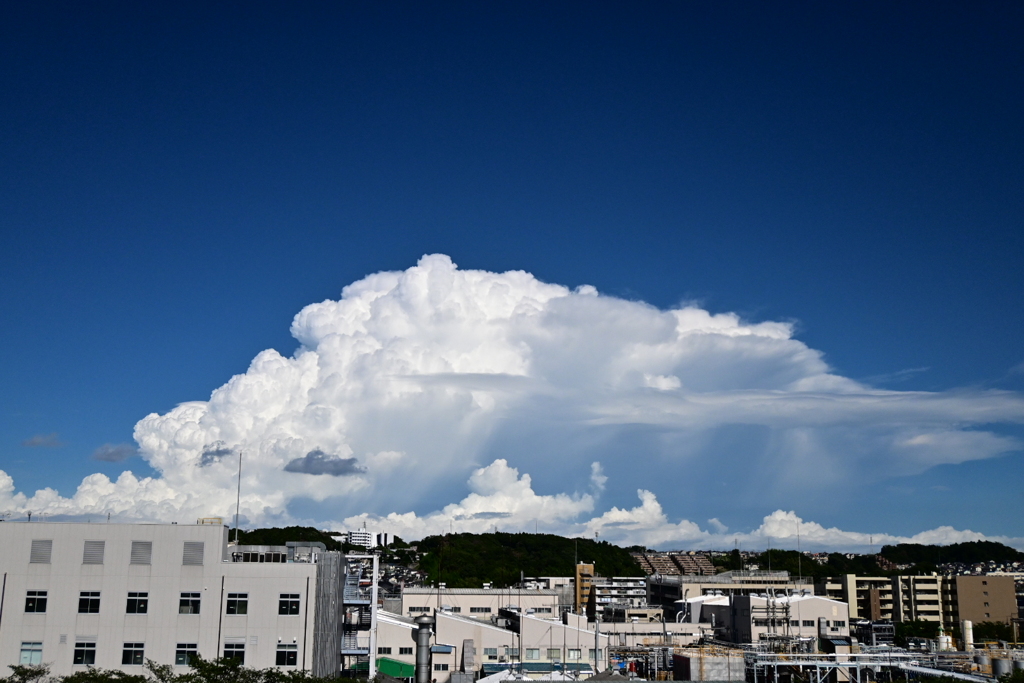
(405,650)
(808,622)
(31,654)
(595,654)
(533,653)
(238,603)
(480,610)
(456,610)
(418,609)
(383,650)
(573,654)
(440,667)
(288,604)
(138,603)
(89,602)
(184,653)
(554,653)
(35,602)
(85,653)
(287,654)
(133,654)
(235,651)
(511,651)
(189,603)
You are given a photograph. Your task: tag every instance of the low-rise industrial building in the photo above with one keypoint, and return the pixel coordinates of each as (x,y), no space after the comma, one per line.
(478,603)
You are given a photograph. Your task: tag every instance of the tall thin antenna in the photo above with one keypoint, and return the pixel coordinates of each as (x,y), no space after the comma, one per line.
(799,555)
(238,499)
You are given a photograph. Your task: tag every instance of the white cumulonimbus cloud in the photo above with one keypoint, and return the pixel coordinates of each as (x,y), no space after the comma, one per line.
(546,400)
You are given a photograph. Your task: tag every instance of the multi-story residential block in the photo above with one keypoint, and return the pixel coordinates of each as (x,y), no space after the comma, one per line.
(628,590)
(947,600)
(115,595)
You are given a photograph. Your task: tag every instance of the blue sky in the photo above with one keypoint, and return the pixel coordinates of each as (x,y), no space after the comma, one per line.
(180,180)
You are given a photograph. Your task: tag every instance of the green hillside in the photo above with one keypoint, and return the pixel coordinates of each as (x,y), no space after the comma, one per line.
(282,536)
(967,553)
(468,560)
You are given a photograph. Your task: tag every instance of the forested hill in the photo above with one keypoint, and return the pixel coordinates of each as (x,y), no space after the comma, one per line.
(468,560)
(966,553)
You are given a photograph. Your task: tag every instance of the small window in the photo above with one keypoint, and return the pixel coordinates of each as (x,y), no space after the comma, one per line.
(456,610)
(85,653)
(31,654)
(138,603)
(511,651)
(40,552)
(554,653)
(93,552)
(189,604)
(986,604)
(984,583)
(808,622)
(533,653)
(985,593)
(543,610)
(418,609)
(573,654)
(405,650)
(491,651)
(987,615)
(440,667)
(35,602)
(238,603)
(288,604)
(235,651)
(142,552)
(287,654)
(839,624)
(592,654)
(89,602)
(184,653)
(133,654)
(383,650)
(480,610)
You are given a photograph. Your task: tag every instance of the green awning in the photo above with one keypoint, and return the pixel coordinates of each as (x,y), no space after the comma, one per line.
(391,667)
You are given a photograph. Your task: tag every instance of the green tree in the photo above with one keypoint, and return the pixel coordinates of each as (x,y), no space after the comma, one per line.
(27,673)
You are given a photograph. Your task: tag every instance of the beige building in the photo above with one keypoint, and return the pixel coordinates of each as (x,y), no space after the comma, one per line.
(478,603)
(947,600)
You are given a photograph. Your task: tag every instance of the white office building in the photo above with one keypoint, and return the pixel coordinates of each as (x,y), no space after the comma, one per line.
(114,595)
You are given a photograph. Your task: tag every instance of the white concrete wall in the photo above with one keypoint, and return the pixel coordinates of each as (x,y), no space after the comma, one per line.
(162,628)
(463,600)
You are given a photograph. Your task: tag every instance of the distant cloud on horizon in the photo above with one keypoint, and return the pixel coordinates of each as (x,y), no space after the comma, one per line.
(441,392)
(43,441)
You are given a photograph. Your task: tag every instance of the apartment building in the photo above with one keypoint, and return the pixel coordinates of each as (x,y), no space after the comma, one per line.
(947,600)
(627,590)
(114,595)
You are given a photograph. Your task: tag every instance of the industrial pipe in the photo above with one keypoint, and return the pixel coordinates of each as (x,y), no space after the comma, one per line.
(424,628)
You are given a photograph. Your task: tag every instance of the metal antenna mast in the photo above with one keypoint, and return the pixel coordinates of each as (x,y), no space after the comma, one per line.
(238,499)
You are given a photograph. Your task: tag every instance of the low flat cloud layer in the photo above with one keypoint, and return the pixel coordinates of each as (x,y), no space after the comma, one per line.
(495,399)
